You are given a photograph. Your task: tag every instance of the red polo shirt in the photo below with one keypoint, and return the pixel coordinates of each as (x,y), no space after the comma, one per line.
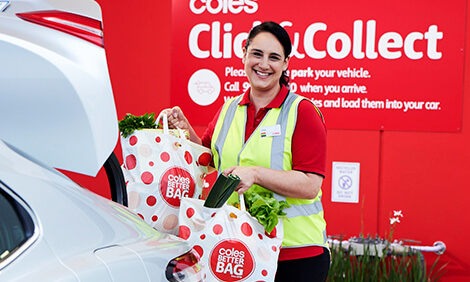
(308,146)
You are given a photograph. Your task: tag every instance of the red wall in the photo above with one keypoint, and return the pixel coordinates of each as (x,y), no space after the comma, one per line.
(424,174)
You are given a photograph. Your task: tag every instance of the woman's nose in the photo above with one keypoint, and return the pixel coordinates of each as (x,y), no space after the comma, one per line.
(264,62)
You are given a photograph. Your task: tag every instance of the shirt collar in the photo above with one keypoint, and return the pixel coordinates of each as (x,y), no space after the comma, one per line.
(275,103)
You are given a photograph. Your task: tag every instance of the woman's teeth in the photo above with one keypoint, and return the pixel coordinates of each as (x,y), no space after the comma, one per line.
(262,73)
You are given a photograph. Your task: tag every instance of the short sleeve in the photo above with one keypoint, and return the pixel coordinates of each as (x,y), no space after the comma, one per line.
(207,135)
(309,140)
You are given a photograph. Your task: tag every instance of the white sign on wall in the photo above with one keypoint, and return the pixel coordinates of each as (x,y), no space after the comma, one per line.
(345,182)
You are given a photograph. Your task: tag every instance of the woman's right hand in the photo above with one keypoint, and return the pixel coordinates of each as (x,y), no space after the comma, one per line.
(176,118)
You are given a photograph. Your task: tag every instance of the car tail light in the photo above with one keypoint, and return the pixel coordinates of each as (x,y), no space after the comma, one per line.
(186,267)
(77,25)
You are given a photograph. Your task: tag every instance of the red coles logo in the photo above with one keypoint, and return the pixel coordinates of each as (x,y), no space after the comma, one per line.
(176,182)
(230,260)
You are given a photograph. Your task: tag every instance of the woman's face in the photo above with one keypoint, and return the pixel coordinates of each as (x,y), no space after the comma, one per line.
(264,61)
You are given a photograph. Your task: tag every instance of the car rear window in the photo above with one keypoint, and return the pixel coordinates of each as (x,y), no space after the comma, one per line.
(16,225)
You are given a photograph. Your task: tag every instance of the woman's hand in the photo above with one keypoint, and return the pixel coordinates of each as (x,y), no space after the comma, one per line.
(246,175)
(176,119)
(289,183)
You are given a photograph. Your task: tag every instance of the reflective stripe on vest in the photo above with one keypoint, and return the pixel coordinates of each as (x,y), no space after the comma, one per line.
(228,111)
(232,122)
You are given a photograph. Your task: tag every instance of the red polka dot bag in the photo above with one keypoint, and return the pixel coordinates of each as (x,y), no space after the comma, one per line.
(232,243)
(160,167)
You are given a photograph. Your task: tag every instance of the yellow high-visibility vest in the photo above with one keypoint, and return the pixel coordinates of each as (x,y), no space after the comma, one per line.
(305,225)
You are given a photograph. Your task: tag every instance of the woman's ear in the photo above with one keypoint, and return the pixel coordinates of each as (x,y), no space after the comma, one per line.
(286,64)
(244,55)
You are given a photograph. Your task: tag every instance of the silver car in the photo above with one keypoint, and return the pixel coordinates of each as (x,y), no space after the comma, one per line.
(57,105)
(51,229)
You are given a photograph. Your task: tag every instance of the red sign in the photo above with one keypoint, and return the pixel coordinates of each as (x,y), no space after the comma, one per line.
(366,64)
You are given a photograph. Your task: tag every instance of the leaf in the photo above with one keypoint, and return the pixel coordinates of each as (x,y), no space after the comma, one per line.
(265,208)
(130,123)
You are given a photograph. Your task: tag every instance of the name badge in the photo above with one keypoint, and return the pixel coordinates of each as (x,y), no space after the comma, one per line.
(270,131)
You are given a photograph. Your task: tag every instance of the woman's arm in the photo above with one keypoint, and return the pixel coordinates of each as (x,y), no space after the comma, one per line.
(291,183)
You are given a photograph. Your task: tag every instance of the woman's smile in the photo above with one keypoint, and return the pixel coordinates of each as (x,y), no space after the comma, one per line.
(262,74)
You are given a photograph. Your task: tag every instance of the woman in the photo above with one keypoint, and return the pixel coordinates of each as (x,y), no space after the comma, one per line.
(274,139)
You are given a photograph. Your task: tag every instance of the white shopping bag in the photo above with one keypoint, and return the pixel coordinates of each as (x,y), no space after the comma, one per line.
(160,168)
(231,242)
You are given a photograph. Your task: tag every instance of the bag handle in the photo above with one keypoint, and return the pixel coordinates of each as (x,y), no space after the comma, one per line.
(241,199)
(164,122)
(166,130)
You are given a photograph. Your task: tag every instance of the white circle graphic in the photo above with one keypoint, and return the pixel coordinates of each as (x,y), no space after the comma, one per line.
(204,87)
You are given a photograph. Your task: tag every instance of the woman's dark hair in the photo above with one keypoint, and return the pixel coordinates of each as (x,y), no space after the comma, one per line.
(281,34)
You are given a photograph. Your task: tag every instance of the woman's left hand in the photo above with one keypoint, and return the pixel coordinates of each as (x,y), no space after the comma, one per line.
(247,177)
(288,183)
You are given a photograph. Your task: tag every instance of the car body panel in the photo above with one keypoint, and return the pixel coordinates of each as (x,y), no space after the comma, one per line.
(52,80)
(83,7)
(80,235)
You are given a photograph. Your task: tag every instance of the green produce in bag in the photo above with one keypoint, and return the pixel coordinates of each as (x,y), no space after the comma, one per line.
(221,191)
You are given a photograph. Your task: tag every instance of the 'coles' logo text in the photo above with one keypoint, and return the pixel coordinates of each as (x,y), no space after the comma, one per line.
(224,6)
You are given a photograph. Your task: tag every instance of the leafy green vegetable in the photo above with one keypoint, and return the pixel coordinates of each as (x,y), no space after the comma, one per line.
(130,123)
(265,208)
(260,203)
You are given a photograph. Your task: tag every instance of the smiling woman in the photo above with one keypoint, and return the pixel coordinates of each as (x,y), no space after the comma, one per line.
(275,141)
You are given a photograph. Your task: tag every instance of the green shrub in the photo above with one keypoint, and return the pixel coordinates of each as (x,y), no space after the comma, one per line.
(373,261)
